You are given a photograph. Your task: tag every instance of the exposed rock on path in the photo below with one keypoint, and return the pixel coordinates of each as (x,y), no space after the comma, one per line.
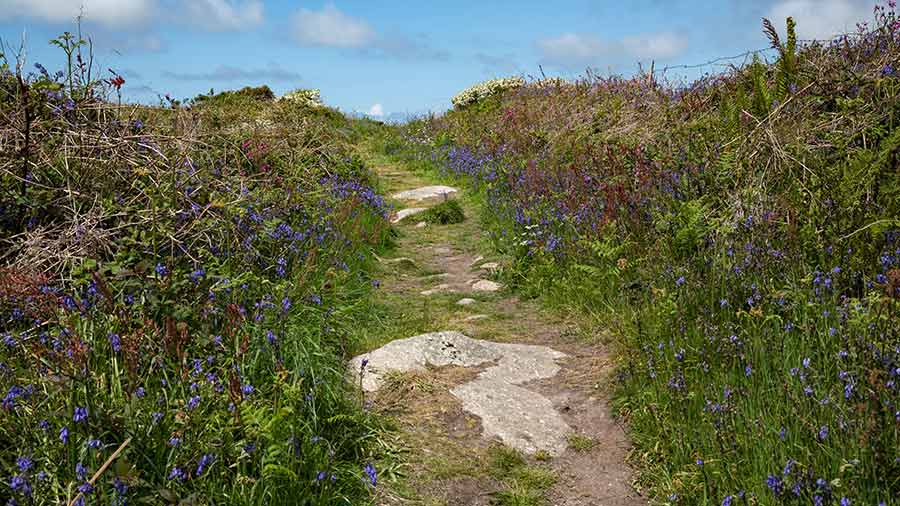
(425,193)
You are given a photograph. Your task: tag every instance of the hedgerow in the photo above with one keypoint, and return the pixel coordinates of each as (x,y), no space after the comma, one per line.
(177,286)
(739,235)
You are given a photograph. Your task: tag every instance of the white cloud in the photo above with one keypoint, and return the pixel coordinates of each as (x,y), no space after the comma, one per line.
(331,28)
(571,49)
(655,45)
(113,13)
(580,50)
(223,15)
(119,14)
(376,110)
(821,19)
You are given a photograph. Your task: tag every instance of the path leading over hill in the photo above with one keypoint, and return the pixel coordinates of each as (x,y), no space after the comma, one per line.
(497,400)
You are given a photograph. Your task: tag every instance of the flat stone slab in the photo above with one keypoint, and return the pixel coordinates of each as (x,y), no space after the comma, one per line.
(425,193)
(486,285)
(405,213)
(465,302)
(520,417)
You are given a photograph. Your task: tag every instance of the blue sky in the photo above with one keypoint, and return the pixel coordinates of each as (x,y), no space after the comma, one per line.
(399,57)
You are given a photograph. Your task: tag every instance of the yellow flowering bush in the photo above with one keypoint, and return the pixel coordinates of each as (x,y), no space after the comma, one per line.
(485,89)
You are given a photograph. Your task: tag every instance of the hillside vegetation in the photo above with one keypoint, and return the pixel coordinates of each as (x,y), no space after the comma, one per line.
(740,240)
(177,289)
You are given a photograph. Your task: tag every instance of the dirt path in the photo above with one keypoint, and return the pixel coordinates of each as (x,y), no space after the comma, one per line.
(450,458)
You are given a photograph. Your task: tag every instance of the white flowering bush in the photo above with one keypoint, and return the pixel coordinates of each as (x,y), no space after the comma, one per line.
(486,89)
(308,97)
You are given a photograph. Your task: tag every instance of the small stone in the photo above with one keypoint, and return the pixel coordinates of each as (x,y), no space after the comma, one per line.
(403,213)
(421,224)
(490,266)
(485,285)
(475,317)
(465,302)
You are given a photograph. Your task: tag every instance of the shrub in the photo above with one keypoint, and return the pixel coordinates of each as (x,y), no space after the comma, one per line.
(445,213)
(486,89)
(309,98)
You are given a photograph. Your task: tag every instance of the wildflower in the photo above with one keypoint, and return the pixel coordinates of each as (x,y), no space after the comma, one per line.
(373,476)
(247,389)
(727,500)
(748,371)
(174,441)
(271,337)
(680,281)
(782,433)
(20,485)
(823,433)
(699,462)
(205,461)
(845,501)
(115,342)
(80,471)
(161,270)
(80,414)
(197,275)
(321,475)
(94,444)
(806,363)
(177,473)
(193,402)
(775,484)
(64,435)
(24,464)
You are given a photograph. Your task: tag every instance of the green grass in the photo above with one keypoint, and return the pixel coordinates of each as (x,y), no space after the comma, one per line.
(445,213)
(524,484)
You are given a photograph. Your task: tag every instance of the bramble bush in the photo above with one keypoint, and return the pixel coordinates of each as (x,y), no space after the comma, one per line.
(741,237)
(176,294)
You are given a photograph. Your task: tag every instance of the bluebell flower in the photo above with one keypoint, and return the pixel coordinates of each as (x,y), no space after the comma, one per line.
(193,402)
(81,472)
(373,476)
(115,342)
(205,461)
(64,435)
(20,485)
(775,484)
(24,464)
(80,414)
